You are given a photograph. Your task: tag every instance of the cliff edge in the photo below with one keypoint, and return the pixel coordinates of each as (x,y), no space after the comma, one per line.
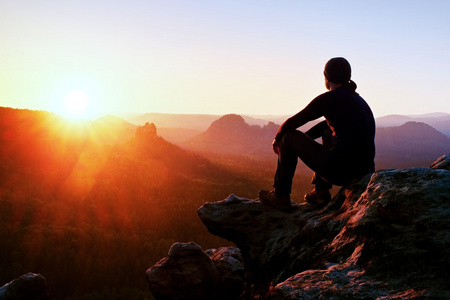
(385,236)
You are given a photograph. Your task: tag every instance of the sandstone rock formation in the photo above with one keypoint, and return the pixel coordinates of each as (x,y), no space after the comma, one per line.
(385,236)
(190,273)
(232,135)
(29,286)
(148,131)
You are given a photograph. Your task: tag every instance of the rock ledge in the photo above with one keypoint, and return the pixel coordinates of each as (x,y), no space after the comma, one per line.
(385,236)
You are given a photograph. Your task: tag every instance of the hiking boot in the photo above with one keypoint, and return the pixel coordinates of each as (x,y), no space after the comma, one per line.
(271,199)
(318,197)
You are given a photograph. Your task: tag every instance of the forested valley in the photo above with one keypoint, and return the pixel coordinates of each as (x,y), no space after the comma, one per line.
(91,205)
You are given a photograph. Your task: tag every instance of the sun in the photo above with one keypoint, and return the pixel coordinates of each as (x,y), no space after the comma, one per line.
(76,103)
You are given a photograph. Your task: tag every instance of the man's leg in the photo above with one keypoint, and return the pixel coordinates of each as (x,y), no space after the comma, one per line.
(293,145)
(321,192)
(320,183)
(320,195)
(286,165)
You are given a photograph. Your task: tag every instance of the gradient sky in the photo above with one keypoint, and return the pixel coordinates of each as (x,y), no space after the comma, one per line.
(218,57)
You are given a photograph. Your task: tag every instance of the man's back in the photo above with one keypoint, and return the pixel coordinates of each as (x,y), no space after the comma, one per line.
(352,122)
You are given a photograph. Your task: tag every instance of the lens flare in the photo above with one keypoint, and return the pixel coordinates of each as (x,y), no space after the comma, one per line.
(76,103)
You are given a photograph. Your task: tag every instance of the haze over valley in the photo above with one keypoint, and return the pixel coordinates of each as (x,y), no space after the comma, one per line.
(94,202)
(401,140)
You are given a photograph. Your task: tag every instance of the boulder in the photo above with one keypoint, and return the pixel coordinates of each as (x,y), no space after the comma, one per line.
(190,273)
(29,286)
(229,263)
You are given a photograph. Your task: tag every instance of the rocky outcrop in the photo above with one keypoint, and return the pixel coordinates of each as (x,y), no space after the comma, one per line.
(148,131)
(230,134)
(190,273)
(29,286)
(385,236)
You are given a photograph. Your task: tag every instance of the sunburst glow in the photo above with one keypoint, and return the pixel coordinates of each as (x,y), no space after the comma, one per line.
(76,103)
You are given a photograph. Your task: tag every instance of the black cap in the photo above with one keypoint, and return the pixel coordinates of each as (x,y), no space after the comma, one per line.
(338,70)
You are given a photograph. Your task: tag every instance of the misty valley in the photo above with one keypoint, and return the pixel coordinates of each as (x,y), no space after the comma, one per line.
(92,204)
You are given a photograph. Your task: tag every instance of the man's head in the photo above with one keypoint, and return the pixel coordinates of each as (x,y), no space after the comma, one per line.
(338,70)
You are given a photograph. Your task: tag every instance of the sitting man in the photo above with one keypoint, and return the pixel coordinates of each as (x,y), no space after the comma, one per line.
(347,151)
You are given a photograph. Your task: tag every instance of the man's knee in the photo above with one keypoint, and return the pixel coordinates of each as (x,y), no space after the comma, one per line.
(296,140)
(293,137)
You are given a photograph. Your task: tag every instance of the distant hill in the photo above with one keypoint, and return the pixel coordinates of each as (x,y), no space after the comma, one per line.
(191,121)
(408,145)
(114,122)
(178,136)
(411,144)
(231,134)
(199,122)
(392,120)
(113,129)
(397,120)
(439,121)
(177,128)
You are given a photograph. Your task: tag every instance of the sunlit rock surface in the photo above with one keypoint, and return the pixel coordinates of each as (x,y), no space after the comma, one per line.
(391,242)
(29,286)
(442,163)
(385,236)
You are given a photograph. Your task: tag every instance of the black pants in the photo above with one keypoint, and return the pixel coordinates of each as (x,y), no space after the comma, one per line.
(328,169)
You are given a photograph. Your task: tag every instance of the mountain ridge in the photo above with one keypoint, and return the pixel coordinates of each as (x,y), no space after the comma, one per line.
(232,134)
(410,144)
(193,124)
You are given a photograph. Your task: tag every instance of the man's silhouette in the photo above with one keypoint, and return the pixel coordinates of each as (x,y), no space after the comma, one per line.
(347,151)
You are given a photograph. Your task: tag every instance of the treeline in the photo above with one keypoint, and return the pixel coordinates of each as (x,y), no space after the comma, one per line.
(91,212)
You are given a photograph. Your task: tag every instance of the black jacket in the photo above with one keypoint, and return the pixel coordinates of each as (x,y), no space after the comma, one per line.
(349,117)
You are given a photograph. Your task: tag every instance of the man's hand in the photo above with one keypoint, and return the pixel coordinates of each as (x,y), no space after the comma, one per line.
(276,147)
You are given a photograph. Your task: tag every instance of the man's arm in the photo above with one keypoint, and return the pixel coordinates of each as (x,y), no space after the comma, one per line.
(314,110)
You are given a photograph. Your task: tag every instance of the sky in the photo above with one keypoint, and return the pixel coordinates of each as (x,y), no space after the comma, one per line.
(97,57)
